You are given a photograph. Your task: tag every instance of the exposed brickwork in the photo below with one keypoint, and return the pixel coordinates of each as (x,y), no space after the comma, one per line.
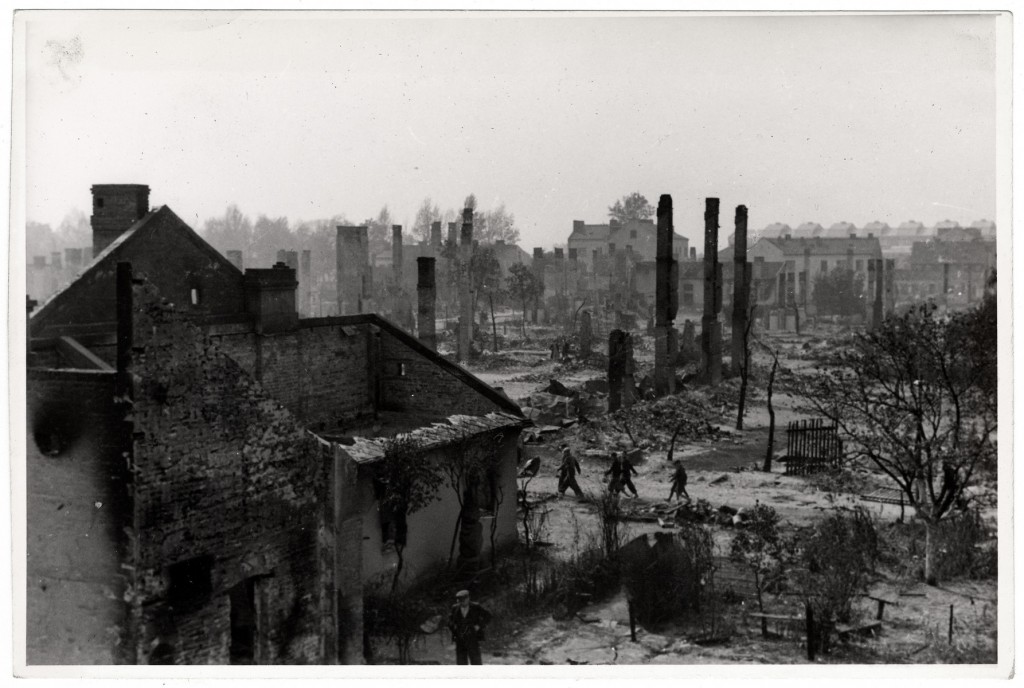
(225,472)
(319,372)
(76,503)
(425,387)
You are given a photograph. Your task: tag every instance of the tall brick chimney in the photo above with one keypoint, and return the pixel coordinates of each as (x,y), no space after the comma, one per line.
(465,304)
(115,208)
(353,269)
(396,254)
(270,297)
(426,306)
(435,237)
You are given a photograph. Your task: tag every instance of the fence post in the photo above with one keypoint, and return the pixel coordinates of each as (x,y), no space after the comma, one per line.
(809,629)
(950,624)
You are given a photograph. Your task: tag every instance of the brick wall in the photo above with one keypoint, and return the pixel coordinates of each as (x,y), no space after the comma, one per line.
(411,382)
(223,472)
(431,528)
(76,506)
(320,372)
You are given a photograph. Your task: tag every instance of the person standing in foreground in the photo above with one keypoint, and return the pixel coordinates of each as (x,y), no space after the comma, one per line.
(566,473)
(466,623)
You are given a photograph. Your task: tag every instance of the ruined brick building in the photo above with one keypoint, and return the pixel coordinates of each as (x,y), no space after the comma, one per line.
(200,458)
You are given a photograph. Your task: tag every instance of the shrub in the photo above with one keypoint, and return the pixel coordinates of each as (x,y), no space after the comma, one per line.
(963,549)
(837,557)
(672,578)
(393,616)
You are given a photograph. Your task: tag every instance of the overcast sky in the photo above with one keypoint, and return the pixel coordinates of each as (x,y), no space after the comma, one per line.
(308,115)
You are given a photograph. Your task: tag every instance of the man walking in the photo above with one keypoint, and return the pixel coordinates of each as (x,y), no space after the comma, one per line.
(620,472)
(466,623)
(567,471)
(679,482)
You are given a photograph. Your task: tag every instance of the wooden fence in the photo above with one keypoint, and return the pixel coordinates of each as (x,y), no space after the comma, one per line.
(812,447)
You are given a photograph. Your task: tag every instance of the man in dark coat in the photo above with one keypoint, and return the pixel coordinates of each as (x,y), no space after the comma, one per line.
(679,482)
(567,471)
(466,623)
(620,472)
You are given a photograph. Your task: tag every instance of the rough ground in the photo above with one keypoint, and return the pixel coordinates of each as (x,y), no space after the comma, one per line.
(723,469)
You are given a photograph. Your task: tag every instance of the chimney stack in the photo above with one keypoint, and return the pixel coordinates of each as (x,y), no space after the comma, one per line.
(353,269)
(115,208)
(665,301)
(270,297)
(426,294)
(465,305)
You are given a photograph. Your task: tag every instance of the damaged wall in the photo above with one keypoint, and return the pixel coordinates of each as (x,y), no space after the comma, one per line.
(413,383)
(228,488)
(431,528)
(76,505)
(320,371)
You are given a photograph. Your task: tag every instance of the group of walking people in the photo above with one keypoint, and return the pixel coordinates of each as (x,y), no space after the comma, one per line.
(467,620)
(618,476)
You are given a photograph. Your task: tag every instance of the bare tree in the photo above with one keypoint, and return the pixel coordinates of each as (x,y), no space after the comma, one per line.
(744,366)
(407,482)
(913,397)
(767,468)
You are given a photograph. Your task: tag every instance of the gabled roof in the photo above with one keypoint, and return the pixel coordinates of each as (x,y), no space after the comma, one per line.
(419,347)
(809,229)
(840,230)
(161,217)
(877,228)
(827,246)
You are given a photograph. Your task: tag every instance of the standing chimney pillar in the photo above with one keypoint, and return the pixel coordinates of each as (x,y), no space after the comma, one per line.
(711,328)
(740,290)
(665,302)
(353,270)
(426,294)
(465,305)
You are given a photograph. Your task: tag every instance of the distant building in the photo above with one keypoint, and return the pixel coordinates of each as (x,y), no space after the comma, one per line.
(637,237)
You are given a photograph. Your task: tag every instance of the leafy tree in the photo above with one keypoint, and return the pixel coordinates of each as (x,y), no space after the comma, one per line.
(631,207)
(498,225)
(490,226)
(763,551)
(270,235)
(406,482)
(915,398)
(427,214)
(839,292)
(379,232)
(231,232)
(522,286)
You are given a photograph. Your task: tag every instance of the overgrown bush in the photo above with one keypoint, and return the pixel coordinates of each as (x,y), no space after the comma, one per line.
(393,616)
(837,558)
(959,545)
(671,579)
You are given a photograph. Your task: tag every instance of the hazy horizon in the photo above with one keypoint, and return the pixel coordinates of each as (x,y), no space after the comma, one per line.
(822,118)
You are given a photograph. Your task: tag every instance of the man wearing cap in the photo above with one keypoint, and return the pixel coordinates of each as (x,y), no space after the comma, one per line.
(466,623)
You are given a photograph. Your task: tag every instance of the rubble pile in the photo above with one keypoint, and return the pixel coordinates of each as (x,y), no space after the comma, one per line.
(656,421)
